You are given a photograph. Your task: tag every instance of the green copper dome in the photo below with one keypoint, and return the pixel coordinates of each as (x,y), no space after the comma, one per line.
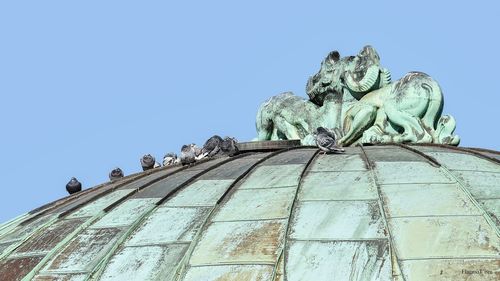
(389,212)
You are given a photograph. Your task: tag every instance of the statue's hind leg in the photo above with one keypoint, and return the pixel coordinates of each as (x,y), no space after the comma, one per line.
(286,128)
(357,120)
(274,135)
(264,134)
(413,127)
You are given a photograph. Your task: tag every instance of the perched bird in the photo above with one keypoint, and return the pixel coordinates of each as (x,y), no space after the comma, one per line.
(326,141)
(73,186)
(115,174)
(169,159)
(187,155)
(212,146)
(197,151)
(228,146)
(147,162)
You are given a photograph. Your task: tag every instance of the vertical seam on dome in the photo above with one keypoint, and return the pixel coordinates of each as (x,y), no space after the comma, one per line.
(11,248)
(201,173)
(292,209)
(105,192)
(181,267)
(482,150)
(429,158)
(469,195)
(126,180)
(463,186)
(48,256)
(392,250)
(99,268)
(96,217)
(462,149)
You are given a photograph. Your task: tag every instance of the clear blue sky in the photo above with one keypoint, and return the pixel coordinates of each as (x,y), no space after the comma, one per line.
(92,85)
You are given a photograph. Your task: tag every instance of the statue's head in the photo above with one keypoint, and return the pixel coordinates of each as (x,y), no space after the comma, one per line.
(326,81)
(363,73)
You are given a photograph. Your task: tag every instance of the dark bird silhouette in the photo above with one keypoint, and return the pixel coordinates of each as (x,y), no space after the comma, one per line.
(115,174)
(229,147)
(188,156)
(212,146)
(147,162)
(326,141)
(170,159)
(73,186)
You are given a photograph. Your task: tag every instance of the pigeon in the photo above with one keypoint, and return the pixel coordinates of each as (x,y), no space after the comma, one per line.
(326,141)
(197,151)
(169,159)
(147,162)
(212,146)
(115,174)
(188,156)
(73,186)
(228,146)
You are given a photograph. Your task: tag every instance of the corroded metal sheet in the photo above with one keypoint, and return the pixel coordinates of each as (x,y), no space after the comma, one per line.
(454,236)
(298,156)
(98,205)
(168,225)
(47,239)
(234,169)
(126,213)
(410,172)
(274,176)
(432,148)
(426,199)
(87,196)
(161,188)
(207,164)
(337,163)
(337,220)
(146,179)
(388,153)
(464,162)
(352,185)
(200,193)
(230,272)
(239,242)
(9,225)
(492,208)
(84,251)
(257,204)
(16,269)
(482,185)
(452,269)
(144,263)
(61,277)
(4,246)
(489,154)
(79,201)
(24,230)
(338,260)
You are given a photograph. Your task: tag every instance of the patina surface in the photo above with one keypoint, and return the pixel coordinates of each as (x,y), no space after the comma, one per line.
(354,96)
(388,212)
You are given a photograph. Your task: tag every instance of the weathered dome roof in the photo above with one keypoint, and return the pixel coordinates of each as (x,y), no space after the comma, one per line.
(413,212)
